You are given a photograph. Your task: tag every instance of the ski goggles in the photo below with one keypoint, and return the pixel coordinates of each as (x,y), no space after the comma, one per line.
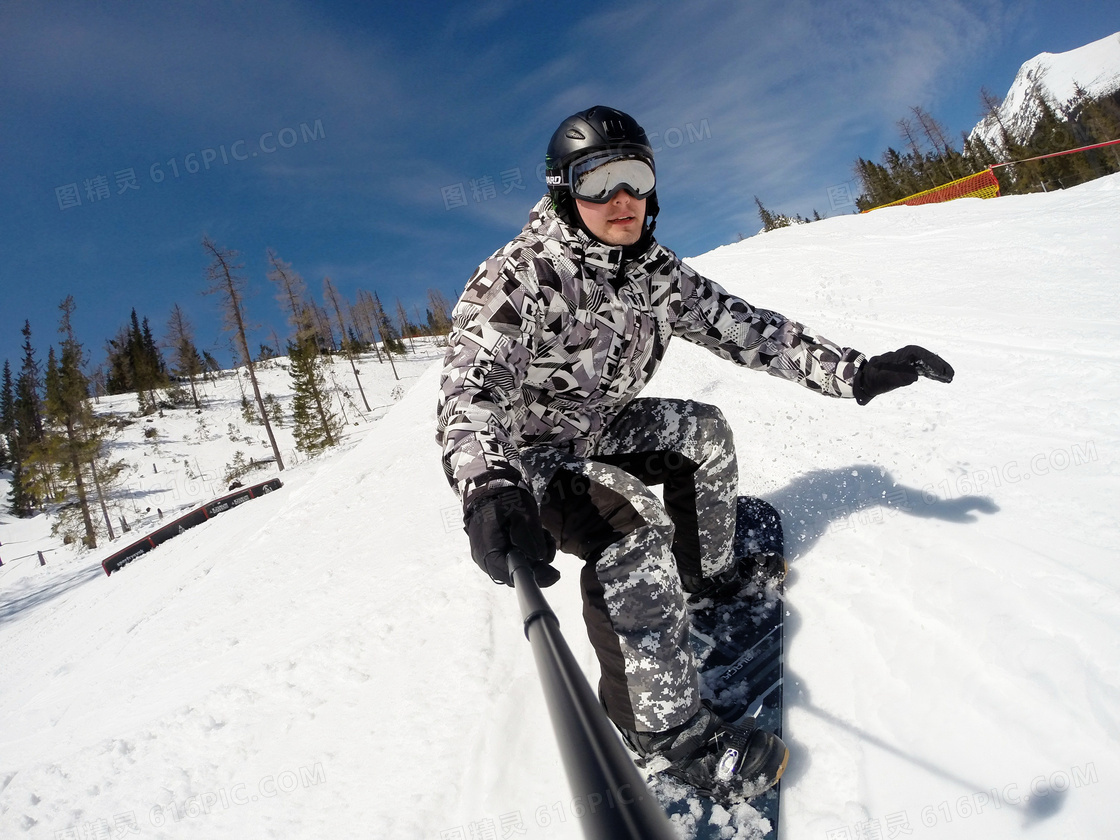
(597,177)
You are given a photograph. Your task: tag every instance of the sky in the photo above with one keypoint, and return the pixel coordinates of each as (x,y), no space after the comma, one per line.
(393,147)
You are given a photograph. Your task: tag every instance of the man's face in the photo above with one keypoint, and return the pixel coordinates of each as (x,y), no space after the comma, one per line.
(618,222)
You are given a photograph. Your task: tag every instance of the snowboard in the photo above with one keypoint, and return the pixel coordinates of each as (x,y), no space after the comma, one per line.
(738,647)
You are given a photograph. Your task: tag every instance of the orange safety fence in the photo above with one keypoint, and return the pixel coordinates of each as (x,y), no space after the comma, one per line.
(981,185)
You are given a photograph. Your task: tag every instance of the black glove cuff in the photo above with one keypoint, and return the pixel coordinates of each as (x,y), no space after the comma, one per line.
(500,520)
(503,500)
(858,389)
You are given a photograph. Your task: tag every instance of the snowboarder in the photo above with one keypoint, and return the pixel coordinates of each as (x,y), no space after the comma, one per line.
(548,445)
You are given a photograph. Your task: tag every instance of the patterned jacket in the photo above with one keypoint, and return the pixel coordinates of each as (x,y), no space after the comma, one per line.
(556,333)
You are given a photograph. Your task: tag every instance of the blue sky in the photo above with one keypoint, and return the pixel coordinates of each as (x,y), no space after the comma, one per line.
(393,147)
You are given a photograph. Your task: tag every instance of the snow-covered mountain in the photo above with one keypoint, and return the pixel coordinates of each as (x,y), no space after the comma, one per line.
(327,662)
(1094,67)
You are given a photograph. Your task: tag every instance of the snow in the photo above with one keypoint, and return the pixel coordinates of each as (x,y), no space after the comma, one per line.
(326,661)
(1094,67)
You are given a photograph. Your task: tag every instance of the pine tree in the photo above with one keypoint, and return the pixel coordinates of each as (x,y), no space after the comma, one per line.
(389,338)
(140,367)
(7,418)
(906,177)
(1099,119)
(118,379)
(772,221)
(768,219)
(135,364)
(27,431)
(313,425)
(212,366)
(1051,135)
(29,403)
(66,408)
(152,354)
(357,346)
(39,472)
(148,368)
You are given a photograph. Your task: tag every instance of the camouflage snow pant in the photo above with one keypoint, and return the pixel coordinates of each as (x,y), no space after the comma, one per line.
(637,550)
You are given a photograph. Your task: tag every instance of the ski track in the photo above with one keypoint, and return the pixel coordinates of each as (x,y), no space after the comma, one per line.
(328,662)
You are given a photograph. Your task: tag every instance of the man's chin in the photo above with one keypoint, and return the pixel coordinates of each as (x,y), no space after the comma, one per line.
(624,237)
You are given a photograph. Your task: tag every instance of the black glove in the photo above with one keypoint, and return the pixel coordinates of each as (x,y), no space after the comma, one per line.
(499,521)
(880,374)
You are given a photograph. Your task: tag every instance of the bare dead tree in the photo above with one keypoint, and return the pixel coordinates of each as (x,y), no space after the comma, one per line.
(180,340)
(440,308)
(291,290)
(323,326)
(933,130)
(331,296)
(225,282)
(364,308)
(991,105)
(907,132)
(406,328)
(361,323)
(935,134)
(376,316)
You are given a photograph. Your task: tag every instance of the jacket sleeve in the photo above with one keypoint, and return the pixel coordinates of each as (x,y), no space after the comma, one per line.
(761,339)
(489,348)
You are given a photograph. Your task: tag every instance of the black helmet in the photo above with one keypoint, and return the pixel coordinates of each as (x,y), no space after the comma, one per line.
(597,129)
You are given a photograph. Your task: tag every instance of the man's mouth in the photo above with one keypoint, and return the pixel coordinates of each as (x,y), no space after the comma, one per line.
(621,220)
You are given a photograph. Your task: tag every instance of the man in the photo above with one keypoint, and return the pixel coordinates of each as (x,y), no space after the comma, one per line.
(546,443)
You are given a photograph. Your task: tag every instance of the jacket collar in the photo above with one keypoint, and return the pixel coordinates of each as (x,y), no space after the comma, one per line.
(545,221)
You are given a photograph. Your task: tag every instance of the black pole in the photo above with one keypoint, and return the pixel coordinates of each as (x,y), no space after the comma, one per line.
(617,804)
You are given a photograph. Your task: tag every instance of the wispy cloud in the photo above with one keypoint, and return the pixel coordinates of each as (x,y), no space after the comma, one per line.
(778,87)
(743,98)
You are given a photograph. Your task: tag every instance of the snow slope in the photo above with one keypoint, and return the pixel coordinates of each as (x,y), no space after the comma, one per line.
(1094,67)
(327,661)
(174,460)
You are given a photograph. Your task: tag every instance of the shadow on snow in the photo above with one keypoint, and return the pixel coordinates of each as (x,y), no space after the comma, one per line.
(823,500)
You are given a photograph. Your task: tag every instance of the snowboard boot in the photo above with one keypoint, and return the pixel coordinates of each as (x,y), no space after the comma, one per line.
(720,588)
(717,758)
(757,571)
(765,569)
